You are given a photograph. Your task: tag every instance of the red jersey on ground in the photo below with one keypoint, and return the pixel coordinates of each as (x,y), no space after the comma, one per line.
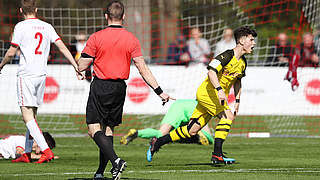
(112,49)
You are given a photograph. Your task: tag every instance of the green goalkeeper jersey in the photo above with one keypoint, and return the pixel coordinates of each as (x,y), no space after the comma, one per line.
(179,112)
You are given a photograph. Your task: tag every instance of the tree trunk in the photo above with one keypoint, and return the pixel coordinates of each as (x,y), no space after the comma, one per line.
(169,18)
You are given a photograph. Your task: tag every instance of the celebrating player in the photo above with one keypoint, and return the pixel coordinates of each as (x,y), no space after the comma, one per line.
(178,114)
(224,70)
(111,51)
(33,38)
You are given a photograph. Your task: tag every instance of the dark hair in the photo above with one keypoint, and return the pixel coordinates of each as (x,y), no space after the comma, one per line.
(243,31)
(28,6)
(49,139)
(115,10)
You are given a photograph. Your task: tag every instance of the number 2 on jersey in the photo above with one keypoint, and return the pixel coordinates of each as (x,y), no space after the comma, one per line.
(38,34)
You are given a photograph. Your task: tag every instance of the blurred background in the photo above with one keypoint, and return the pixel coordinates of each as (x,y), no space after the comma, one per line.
(158,23)
(178,38)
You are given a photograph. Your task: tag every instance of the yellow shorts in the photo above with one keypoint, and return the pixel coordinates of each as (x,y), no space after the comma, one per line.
(208,103)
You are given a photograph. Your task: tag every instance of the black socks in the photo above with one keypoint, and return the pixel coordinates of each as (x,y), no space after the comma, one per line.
(162,141)
(218,146)
(106,146)
(103,160)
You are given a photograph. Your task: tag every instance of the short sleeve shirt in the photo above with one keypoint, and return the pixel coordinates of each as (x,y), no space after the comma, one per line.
(112,50)
(34,38)
(228,68)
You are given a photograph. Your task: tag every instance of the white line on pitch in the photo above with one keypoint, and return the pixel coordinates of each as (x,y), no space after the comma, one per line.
(294,170)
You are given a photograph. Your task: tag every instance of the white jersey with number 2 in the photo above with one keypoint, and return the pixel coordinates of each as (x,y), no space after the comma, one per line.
(33,37)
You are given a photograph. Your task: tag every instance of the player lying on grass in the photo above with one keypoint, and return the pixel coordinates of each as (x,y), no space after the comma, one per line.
(14,147)
(224,71)
(33,38)
(178,114)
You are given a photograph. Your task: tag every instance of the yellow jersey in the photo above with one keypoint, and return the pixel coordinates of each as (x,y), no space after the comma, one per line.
(228,69)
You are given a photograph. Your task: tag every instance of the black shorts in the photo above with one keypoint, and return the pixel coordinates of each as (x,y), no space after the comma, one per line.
(105,102)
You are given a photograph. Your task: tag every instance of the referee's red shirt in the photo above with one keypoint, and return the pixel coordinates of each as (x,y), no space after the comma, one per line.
(112,49)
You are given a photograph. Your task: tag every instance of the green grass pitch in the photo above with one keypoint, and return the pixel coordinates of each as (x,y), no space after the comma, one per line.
(271,158)
(293,126)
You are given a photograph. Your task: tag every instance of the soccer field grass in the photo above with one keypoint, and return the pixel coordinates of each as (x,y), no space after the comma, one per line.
(271,158)
(293,126)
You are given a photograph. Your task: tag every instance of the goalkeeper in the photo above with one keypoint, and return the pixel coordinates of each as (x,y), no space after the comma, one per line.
(178,115)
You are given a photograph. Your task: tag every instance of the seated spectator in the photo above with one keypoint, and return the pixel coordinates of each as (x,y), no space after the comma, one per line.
(281,53)
(81,40)
(77,44)
(80,44)
(306,52)
(178,53)
(226,43)
(198,47)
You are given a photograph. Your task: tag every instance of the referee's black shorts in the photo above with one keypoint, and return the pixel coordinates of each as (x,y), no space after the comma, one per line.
(105,102)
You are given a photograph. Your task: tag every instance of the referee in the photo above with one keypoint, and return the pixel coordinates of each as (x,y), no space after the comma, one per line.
(111,51)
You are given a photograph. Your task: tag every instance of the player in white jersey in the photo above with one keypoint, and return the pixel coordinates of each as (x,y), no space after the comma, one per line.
(11,146)
(33,38)
(14,146)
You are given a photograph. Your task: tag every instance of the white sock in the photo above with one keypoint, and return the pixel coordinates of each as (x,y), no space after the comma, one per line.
(29,142)
(37,134)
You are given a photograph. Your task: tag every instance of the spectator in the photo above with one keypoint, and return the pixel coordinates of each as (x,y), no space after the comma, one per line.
(226,43)
(306,52)
(281,53)
(198,47)
(80,44)
(178,53)
(81,40)
(305,56)
(77,44)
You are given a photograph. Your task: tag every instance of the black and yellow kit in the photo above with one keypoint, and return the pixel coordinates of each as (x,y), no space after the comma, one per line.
(228,69)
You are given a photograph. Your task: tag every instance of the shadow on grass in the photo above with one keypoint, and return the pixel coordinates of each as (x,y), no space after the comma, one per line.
(209,164)
(110,178)
(199,164)
(179,165)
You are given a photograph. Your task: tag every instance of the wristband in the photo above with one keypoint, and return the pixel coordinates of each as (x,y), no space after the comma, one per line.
(237,100)
(219,88)
(158,90)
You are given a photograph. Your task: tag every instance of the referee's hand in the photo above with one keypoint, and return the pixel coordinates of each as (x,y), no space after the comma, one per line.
(80,75)
(165,98)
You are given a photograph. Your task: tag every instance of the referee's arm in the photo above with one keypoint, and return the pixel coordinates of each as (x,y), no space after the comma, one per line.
(149,78)
(145,72)
(84,62)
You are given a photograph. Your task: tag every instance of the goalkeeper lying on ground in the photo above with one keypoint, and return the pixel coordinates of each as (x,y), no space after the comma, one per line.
(178,115)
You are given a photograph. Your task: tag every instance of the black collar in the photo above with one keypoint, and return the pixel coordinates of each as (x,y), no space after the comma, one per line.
(115,26)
